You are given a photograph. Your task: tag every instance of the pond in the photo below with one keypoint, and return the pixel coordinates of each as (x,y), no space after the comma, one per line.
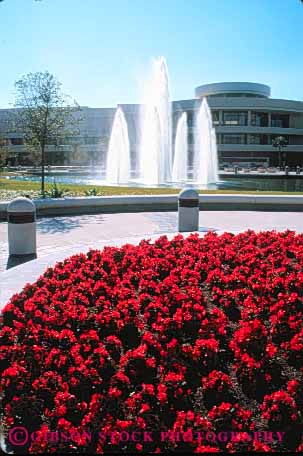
(268,183)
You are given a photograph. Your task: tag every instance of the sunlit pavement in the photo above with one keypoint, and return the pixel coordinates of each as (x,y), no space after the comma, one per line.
(58,233)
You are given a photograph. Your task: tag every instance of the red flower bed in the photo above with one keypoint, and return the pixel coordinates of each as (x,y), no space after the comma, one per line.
(196,335)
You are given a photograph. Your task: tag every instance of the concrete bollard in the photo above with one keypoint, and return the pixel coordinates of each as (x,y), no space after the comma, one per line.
(298,170)
(21,217)
(188,210)
(286,170)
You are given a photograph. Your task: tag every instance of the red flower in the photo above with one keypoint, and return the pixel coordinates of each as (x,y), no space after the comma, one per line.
(184,335)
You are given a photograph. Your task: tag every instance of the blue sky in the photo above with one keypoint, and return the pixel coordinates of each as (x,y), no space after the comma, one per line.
(101,50)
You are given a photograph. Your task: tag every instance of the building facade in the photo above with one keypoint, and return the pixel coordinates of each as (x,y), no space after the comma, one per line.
(246,119)
(89,147)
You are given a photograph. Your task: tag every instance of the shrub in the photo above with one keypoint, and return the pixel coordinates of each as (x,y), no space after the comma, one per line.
(55,191)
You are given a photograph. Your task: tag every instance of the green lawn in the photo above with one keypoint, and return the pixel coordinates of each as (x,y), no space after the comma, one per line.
(11,188)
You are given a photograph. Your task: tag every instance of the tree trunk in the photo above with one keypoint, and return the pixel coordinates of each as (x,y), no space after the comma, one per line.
(43,170)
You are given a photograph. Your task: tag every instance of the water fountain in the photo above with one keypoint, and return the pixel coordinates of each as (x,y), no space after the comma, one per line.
(205,161)
(151,144)
(154,165)
(155,152)
(180,167)
(118,155)
(214,156)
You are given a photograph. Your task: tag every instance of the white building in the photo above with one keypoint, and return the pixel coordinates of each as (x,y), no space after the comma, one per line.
(246,119)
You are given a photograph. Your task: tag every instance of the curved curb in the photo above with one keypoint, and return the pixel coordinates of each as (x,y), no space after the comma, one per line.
(158,203)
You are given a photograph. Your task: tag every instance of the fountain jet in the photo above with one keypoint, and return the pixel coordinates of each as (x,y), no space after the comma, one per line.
(205,153)
(118,154)
(155,146)
(151,144)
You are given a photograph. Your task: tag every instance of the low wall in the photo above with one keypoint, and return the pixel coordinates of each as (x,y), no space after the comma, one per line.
(158,203)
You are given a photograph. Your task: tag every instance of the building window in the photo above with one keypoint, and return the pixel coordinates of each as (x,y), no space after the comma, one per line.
(92,140)
(16,141)
(4,142)
(258,139)
(280,120)
(70,140)
(190,118)
(259,119)
(235,118)
(190,137)
(176,116)
(234,139)
(273,137)
(215,117)
(52,141)
(235,95)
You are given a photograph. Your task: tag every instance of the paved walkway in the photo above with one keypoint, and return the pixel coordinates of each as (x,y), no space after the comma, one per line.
(58,233)
(59,237)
